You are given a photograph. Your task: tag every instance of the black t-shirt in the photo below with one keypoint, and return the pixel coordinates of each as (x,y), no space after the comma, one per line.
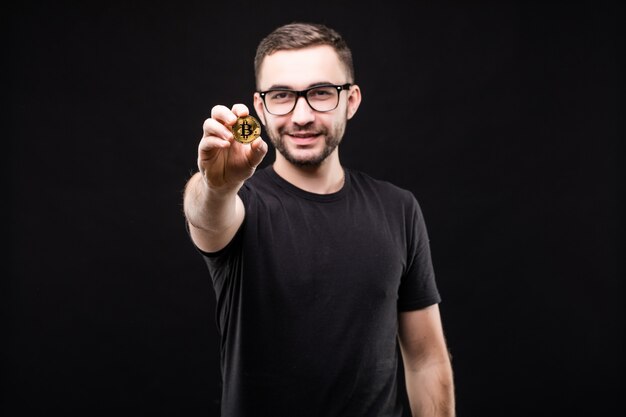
(308,294)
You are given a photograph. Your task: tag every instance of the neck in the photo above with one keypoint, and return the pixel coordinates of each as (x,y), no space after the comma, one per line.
(326,178)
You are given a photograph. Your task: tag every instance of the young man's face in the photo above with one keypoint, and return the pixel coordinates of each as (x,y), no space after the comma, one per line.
(306,137)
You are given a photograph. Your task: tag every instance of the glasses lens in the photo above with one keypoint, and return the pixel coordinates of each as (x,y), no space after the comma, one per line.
(323,98)
(280,102)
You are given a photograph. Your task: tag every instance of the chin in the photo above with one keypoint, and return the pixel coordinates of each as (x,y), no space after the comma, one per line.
(308,158)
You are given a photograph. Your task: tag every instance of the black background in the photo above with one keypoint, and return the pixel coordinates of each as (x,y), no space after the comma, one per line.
(501,117)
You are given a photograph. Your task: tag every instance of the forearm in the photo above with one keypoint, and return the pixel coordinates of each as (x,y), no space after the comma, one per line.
(430,389)
(211,213)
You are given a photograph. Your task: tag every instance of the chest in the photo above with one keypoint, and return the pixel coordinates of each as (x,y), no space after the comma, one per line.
(346,247)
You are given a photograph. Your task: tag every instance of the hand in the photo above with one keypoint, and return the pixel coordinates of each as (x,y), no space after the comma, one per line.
(222,160)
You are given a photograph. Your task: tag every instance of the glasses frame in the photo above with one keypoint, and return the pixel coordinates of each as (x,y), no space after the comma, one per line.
(304,93)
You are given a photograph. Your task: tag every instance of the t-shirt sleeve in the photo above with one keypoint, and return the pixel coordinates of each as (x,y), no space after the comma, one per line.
(418,288)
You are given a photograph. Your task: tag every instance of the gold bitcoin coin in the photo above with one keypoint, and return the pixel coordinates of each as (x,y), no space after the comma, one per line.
(246,129)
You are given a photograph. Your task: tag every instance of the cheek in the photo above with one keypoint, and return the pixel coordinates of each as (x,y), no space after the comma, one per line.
(273,128)
(270,124)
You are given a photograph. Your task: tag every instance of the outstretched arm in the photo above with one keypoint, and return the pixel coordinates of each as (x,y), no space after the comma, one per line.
(212,208)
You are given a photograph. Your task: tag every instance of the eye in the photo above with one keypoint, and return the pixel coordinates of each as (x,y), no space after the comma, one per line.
(280,95)
(322,93)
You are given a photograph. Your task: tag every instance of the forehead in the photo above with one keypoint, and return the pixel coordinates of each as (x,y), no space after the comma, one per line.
(299,68)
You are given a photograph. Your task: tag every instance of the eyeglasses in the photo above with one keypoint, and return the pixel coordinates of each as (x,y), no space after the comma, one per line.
(322,98)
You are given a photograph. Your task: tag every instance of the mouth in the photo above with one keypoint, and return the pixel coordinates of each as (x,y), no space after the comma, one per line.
(303,138)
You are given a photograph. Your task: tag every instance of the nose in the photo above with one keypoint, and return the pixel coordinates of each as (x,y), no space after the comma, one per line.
(302,113)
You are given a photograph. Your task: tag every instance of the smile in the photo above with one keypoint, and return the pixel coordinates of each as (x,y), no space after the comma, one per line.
(303,138)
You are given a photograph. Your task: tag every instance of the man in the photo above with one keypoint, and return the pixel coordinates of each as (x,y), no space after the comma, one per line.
(323,275)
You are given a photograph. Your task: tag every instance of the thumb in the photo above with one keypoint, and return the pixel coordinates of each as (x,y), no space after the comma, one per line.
(258,150)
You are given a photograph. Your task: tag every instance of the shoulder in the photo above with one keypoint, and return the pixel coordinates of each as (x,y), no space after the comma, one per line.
(387,190)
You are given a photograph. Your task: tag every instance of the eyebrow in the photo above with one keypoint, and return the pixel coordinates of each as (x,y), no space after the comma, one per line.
(286,87)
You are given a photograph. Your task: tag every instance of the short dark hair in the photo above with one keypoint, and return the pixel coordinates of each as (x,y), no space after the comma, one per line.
(299,35)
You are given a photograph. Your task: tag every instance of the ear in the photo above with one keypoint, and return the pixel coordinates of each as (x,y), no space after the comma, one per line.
(354,100)
(259,108)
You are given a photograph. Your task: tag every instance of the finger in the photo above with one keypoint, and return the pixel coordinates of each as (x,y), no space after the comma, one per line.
(213,127)
(210,143)
(223,115)
(240,110)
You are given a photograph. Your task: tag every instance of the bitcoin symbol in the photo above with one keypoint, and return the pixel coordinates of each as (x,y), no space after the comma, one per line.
(246,129)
